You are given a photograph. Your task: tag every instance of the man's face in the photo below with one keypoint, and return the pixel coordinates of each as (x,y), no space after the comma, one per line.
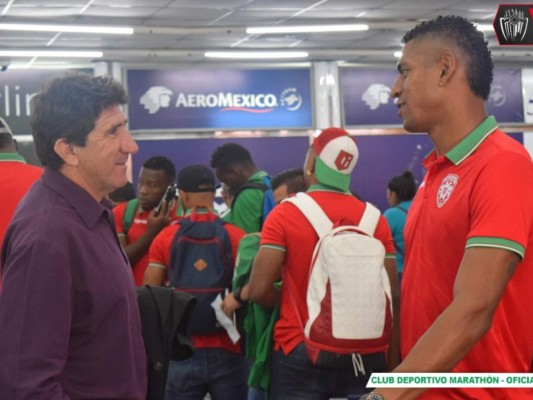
(151,187)
(416,88)
(231,177)
(102,162)
(280,193)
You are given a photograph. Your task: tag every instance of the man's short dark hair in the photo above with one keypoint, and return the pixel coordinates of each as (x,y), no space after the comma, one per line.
(230,154)
(470,41)
(68,108)
(293,178)
(124,193)
(160,163)
(6,136)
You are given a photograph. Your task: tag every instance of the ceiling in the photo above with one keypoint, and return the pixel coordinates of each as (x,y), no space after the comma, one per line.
(170,33)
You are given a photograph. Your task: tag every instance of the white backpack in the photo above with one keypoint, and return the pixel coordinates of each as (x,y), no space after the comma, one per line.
(349,293)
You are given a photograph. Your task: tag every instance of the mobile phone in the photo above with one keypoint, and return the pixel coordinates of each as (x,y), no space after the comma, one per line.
(169,194)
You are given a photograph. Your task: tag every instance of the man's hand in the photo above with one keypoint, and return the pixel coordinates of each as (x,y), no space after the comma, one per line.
(229,305)
(157,221)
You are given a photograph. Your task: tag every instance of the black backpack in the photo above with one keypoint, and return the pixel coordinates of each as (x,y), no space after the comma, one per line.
(201,265)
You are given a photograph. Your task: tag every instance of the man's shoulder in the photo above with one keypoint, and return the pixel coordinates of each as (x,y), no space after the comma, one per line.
(120,208)
(502,144)
(234,231)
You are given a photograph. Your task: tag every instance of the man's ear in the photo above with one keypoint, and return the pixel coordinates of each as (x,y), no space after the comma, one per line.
(448,67)
(67,152)
(184,198)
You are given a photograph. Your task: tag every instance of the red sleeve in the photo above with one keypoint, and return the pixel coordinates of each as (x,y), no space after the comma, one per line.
(118,214)
(274,227)
(384,235)
(235,235)
(502,200)
(160,248)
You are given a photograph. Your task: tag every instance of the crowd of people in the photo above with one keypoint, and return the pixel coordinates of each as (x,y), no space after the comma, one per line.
(296,286)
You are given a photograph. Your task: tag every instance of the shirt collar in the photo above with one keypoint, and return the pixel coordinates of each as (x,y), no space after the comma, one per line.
(470,143)
(324,188)
(200,210)
(89,210)
(12,157)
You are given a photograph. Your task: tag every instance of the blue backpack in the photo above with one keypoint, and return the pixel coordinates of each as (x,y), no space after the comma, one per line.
(201,265)
(268,198)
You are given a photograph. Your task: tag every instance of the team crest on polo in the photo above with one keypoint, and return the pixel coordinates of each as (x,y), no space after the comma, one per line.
(446,188)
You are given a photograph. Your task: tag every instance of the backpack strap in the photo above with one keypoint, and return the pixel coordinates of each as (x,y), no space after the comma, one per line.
(403,209)
(250,185)
(313,212)
(369,220)
(129,214)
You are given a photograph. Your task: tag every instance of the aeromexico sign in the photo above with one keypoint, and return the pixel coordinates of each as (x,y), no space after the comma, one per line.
(219,99)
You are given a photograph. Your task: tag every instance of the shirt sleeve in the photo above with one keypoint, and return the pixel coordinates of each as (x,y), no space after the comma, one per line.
(35,323)
(159,252)
(235,235)
(501,204)
(118,215)
(273,233)
(383,233)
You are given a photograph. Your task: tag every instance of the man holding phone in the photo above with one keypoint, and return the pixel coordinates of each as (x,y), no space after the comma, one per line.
(140,220)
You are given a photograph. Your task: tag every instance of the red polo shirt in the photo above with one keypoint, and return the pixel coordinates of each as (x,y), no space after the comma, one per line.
(288,230)
(138,228)
(16,177)
(480,194)
(160,251)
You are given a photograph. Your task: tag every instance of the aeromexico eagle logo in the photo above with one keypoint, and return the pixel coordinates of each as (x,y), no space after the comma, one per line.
(158,97)
(446,189)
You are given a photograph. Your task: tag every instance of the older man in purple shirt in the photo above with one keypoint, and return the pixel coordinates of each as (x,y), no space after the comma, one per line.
(69,321)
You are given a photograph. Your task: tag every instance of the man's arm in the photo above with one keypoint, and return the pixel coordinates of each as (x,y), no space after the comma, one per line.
(265,271)
(155,275)
(394,343)
(156,222)
(479,286)
(35,323)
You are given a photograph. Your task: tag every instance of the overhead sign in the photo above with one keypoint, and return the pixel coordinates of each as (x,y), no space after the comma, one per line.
(367,96)
(17,87)
(219,99)
(505,98)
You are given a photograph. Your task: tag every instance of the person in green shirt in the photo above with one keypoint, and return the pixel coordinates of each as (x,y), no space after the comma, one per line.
(234,166)
(256,321)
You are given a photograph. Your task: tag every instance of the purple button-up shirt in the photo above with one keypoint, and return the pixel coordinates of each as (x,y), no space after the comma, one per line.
(69,321)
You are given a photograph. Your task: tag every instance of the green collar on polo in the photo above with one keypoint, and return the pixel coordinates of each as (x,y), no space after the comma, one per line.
(12,157)
(470,143)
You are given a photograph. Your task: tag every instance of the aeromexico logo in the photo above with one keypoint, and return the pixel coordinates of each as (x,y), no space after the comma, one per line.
(158,97)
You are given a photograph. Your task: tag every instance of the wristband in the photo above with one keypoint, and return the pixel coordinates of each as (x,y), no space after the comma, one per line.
(372,396)
(237,296)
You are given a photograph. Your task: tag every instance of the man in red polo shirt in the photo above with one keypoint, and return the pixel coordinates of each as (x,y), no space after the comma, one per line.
(15,176)
(468,278)
(217,366)
(156,174)
(286,249)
